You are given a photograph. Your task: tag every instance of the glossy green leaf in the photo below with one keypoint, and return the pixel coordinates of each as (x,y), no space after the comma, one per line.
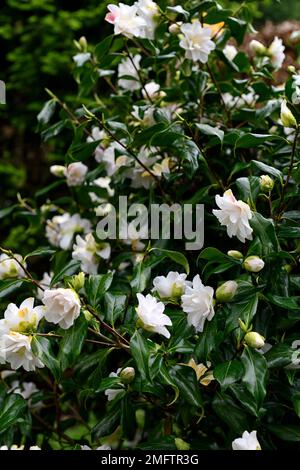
(96,286)
(255,375)
(228,373)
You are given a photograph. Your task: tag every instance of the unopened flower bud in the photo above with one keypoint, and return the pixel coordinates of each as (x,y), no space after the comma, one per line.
(254,340)
(286,116)
(127,375)
(175,27)
(57,170)
(226,291)
(181,444)
(257,47)
(254,264)
(77,281)
(83,43)
(291,69)
(235,254)
(88,316)
(266,183)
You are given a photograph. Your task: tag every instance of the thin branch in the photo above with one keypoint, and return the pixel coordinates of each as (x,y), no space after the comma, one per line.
(138,73)
(120,339)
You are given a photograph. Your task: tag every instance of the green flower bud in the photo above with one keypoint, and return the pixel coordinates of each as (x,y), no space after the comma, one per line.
(127,375)
(254,340)
(77,282)
(235,254)
(286,116)
(254,264)
(83,43)
(226,291)
(88,315)
(266,183)
(181,444)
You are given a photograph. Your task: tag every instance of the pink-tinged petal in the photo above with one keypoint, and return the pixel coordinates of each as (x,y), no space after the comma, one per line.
(111,18)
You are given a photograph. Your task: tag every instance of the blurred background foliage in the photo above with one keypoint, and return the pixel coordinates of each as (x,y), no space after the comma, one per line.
(37,47)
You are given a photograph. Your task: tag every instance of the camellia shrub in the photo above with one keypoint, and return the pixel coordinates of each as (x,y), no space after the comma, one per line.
(124,329)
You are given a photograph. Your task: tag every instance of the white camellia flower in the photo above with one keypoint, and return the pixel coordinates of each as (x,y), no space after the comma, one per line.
(15,349)
(197,41)
(172,285)
(61,229)
(21,319)
(148,10)
(152,90)
(15,447)
(104,182)
(88,252)
(276,52)
(235,215)
(151,316)
(76,173)
(81,58)
(197,302)
(141,178)
(100,135)
(125,20)
(230,51)
(111,393)
(245,99)
(254,264)
(248,441)
(109,157)
(9,267)
(128,69)
(26,390)
(62,306)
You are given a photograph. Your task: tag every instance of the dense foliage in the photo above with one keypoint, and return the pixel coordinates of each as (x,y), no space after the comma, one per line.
(143,343)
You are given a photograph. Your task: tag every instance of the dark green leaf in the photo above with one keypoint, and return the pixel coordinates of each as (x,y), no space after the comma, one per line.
(108,423)
(67,270)
(229,412)
(255,375)
(7,286)
(228,373)
(96,286)
(176,256)
(141,349)
(115,306)
(72,342)
(41,348)
(43,251)
(286,432)
(12,409)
